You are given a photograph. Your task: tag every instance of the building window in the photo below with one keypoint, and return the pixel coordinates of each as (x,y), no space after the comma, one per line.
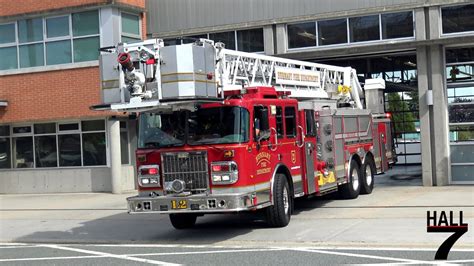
(85,29)
(250,40)
(50,41)
(9,58)
(58,45)
(93,142)
(30,37)
(364,28)
(5,152)
(23,152)
(193,38)
(351,30)
(460,91)
(45,151)
(30,30)
(397,25)
(228,38)
(45,145)
(168,42)
(457,18)
(332,31)
(7,33)
(242,40)
(53,145)
(301,35)
(69,150)
(131,31)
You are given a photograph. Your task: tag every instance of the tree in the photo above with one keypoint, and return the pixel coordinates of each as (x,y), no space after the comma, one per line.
(402,117)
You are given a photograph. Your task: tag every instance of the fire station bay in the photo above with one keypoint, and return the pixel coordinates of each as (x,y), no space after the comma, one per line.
(51,141)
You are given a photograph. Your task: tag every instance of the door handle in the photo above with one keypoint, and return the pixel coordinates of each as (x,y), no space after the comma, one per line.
(276,139)
(302,137)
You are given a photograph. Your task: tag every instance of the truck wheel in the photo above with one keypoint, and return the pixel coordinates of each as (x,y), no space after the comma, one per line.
(351,189)
(368,172)
(183,220)
(278,215)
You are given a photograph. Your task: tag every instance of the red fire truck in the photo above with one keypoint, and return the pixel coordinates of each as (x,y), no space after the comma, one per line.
(224,131)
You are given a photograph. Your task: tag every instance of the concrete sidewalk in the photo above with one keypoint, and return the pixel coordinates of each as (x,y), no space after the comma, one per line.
(394,215)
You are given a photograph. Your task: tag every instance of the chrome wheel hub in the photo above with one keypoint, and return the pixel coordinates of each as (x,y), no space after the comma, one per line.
(368,175)
(286,200)
(355,179)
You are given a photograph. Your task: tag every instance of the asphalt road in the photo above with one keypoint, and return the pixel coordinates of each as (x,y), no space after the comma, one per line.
(109,254)
(388,226)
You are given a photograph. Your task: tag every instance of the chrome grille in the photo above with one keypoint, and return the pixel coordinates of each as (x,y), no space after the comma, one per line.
(191,167)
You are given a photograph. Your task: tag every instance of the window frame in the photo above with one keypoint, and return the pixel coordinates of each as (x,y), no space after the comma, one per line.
(248,29)
(45,40)
(179,42)
(9,139)
(379,16)
(217,32)
(12,44)
(413,20)
(58,133)
(130,35)
(447,86)
(440,18)
(14,136)
(302,22)
(361,43)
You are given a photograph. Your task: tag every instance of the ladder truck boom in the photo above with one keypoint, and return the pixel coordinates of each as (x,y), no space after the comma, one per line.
(146,75)
(304,80)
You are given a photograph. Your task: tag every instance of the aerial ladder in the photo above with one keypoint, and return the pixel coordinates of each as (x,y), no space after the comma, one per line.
(146,75)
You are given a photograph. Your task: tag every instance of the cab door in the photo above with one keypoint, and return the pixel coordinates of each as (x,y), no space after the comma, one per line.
(263,149)
(309,151)
(291,145)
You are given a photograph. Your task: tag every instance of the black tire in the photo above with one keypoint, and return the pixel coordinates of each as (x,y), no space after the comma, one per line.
(183,220)
(348,191)
(279,214)
(368,171)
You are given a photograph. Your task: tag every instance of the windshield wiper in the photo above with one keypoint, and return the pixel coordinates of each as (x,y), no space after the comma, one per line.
(171,145)
(152,144)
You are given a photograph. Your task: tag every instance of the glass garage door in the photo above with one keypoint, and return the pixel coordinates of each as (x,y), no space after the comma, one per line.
(401,97)
(460,91)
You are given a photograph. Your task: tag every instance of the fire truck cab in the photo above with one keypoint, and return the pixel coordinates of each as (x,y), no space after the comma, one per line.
(248,145)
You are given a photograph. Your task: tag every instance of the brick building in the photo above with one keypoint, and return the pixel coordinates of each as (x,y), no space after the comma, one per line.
(50,141)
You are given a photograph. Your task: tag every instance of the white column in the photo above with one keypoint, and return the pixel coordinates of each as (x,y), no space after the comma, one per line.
(268,39)
(115,155)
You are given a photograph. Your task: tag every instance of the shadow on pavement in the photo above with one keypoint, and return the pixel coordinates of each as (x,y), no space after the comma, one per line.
(210,229)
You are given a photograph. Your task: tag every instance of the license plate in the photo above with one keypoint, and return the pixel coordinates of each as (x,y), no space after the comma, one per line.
(179,204)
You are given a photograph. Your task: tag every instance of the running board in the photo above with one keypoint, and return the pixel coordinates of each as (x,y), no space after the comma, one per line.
(328,190)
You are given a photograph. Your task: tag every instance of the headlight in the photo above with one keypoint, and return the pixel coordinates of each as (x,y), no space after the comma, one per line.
(149,176)
(224,173)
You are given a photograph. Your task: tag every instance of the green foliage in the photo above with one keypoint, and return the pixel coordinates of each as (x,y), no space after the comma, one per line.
(398,109)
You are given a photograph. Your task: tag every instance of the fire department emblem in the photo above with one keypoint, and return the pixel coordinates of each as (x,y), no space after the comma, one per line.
(293,156)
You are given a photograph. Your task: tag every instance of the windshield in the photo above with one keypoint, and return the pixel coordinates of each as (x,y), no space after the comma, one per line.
(161,130)
(215,125)
(218,125)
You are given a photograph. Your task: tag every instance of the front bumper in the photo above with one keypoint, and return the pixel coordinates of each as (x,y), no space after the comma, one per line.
(194,203)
